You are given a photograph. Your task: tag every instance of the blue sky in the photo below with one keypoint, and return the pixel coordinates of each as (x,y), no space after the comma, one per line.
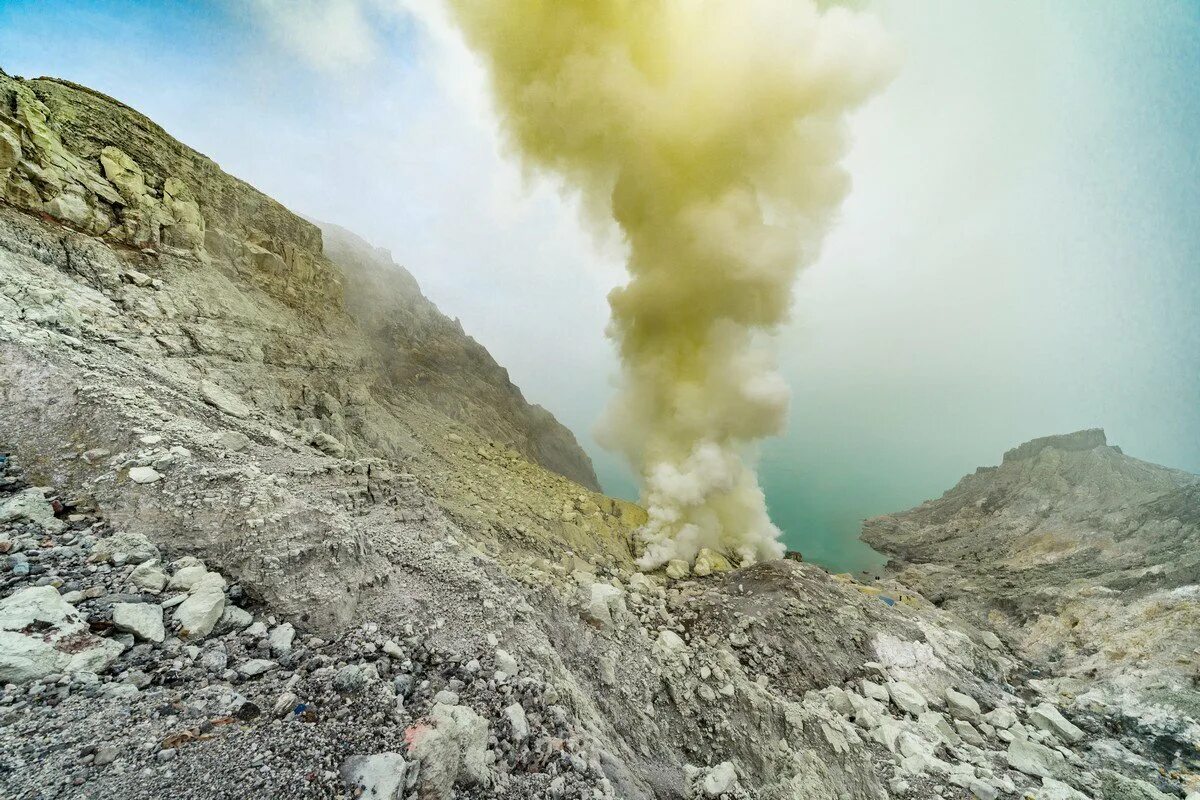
(1020,254)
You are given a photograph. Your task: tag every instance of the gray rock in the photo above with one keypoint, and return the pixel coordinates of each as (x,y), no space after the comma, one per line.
(1048,718)
(906,698)
(187,577)
(1115,786)
(233,619)
(32,623)
(235,441)
(350,679)
(721,779)
(1001,717)
(1035,759)
(143,620)
(255,667)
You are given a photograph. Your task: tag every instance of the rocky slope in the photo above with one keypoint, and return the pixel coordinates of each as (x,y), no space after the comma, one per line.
(1086,561)
(247,551)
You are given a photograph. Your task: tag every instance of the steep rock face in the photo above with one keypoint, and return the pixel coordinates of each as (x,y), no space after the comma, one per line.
(426,354)
(73,155)
(1084,558)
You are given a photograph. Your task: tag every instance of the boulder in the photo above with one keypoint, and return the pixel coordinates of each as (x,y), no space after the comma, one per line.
(143,620)
(381,775)
(149,577)
(1057,790)
(1036,759)
(198,614)
(906,698)
(602,600)
(185,578)
(518,724)
(224,400)
(1001,718)
(33,506)
(233,619)
(1048,718)
(451,746)
(721,779)
(962,706)
(1115,786)
(144,475)
(40,634)
(281,637)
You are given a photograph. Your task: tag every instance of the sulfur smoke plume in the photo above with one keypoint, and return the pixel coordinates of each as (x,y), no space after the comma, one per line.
(710,131)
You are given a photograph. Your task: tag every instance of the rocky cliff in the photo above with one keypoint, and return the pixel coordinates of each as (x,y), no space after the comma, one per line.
(273,527)
(91,163)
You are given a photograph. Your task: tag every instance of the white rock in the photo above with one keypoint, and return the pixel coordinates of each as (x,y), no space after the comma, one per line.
(199,613)
(1001,717)
(381,775)
(1035,759)
(1048,718)
(135,546)
(517,723)
(453,749)
(506,665)
(720,780)
(186,577)
(991,640)
(906,698)
(962,706)
(25,657)
(143,620)
(144,475)
(149,576)
(281,637)
(224,400)
(602,597)
(32,505)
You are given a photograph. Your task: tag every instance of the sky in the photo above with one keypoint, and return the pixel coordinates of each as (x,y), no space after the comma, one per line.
(1019,254)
